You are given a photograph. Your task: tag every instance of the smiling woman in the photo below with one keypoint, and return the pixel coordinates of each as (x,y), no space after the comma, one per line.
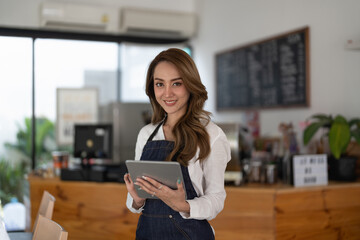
(181,130)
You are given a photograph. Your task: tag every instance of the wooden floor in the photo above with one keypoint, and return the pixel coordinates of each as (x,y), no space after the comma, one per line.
(89,210)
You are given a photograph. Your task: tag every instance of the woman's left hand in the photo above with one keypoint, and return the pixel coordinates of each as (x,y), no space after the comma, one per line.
(173,198)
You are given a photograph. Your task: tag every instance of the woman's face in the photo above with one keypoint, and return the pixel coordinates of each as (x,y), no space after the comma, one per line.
(170,91)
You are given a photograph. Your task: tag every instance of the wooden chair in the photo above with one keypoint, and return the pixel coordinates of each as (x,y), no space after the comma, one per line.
(46,207)
(47,229)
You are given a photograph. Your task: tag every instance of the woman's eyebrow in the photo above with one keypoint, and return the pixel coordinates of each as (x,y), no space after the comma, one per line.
(175,79)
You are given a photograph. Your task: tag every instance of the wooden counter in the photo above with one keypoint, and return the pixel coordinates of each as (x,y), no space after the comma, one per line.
(284,212)
(89,210)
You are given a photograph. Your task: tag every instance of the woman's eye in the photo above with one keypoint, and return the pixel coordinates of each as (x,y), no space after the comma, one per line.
(158,84)
(177,84)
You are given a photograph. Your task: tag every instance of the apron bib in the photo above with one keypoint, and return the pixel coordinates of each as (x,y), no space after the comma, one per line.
(160,222)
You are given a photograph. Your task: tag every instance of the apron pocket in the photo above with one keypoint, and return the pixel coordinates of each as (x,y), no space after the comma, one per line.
(177,225)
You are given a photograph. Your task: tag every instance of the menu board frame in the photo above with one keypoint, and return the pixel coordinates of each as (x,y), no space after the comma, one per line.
(234,75)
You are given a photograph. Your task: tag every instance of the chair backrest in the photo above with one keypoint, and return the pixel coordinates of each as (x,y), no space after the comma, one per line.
(46,207)
(47,229)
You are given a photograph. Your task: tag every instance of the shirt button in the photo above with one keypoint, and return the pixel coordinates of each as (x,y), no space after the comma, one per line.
(170,216)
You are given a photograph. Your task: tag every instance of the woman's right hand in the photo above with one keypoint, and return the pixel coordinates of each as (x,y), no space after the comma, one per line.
(137,201)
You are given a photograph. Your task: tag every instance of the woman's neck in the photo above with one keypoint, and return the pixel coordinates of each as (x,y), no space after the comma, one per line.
(168,127)
(170,122)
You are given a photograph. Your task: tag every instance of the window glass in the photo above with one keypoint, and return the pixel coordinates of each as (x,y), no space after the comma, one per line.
(16,110)
(135,59)
(15,91)
(70,64)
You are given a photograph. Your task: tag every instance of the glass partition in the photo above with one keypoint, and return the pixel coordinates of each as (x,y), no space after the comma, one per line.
(15,115)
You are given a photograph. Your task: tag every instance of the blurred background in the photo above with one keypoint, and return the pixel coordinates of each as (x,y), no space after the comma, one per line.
(52,47)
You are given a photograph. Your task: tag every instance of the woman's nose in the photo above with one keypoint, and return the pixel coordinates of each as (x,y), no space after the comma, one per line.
(168,91)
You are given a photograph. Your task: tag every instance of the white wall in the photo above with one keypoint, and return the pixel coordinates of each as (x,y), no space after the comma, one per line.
(334,70)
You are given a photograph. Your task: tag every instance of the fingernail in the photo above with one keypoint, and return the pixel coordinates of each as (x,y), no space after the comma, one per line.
(178,181)
(144,177)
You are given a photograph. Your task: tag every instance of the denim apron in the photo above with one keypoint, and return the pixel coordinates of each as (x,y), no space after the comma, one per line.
(160,222)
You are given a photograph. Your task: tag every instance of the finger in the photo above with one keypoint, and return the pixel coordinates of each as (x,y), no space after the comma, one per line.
(144,185)
(145,189)
(149,182)
(127,178)
(153,182)
(179,185)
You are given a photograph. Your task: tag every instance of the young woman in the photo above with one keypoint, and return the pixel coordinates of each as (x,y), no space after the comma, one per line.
(181,131)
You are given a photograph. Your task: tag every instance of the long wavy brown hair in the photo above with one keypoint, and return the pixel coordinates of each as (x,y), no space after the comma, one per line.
(189,131)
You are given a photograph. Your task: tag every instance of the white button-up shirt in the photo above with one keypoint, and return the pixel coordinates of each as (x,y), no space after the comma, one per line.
(207,176)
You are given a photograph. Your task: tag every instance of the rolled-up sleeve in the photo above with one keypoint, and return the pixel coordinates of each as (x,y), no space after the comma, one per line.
(129,203)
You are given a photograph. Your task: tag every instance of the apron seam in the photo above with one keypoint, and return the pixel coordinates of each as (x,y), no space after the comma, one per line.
(180,229)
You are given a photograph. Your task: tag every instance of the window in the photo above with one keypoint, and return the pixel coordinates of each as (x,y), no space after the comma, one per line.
(15,98)
(15,115)
(33,67)
(71,64)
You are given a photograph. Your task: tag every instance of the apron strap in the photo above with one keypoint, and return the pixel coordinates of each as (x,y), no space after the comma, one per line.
(155,131)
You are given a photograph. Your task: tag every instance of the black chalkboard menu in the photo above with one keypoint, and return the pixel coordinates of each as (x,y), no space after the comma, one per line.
(272,73)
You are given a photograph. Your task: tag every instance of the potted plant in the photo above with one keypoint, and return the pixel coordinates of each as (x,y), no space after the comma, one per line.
(340,132)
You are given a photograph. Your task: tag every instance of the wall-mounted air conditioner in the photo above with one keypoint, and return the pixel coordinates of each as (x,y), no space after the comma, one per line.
(79,17)
(156,23)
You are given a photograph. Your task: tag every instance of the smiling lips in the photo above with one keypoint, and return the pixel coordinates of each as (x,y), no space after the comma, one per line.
(170,103)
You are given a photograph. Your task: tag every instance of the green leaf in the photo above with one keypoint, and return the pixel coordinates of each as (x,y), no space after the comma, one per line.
(322,117)
(44,129)
(310,131)
(339,136)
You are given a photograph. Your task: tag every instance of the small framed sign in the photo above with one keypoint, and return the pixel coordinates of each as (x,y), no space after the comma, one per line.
(310,170)
(74,105)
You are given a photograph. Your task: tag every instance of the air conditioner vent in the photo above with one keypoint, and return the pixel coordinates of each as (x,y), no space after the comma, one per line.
(153,32)
(76,26)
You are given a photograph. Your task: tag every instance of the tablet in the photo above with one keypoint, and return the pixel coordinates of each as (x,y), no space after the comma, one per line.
(166,173)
